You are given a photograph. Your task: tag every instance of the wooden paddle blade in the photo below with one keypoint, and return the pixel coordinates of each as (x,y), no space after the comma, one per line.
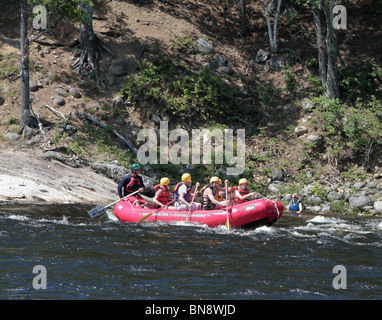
(145,217)
(228,226)
(97,211)
(156,211)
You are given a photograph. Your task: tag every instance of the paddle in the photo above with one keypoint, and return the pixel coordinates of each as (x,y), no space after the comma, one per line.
(193,198)
(226,197)
(148,215)
(102,209)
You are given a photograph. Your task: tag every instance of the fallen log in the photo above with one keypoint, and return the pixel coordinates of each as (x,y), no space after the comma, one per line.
(123,139)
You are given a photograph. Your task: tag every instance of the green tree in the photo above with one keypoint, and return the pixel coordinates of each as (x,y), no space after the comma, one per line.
(74,10)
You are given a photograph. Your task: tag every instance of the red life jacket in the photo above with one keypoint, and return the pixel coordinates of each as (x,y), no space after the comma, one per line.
(163,198)
(134,184)
(242,193)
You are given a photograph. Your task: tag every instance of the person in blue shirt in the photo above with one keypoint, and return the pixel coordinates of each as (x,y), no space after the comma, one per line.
(295,205)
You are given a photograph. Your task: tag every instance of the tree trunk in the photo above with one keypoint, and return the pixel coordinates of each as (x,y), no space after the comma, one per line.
(244,26)
(272,35)
(317,16)
(26,120)
(332,89)
(275,24)
(90,46)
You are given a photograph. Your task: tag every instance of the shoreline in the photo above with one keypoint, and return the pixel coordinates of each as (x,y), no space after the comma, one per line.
(35,177)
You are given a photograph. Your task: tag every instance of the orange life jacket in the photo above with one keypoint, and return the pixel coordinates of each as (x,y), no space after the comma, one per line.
(163,198)
(217,195)
(242,192)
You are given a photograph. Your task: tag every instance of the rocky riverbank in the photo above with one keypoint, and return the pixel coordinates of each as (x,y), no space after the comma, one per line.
(34,176)
(323,196)
(38,177)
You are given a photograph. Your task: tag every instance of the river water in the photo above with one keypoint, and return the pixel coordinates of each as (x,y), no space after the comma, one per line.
(82,258)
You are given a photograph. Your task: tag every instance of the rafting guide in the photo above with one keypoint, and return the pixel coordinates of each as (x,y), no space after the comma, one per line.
(180,151)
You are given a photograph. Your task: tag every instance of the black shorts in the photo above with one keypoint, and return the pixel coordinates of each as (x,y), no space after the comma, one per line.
(209,206)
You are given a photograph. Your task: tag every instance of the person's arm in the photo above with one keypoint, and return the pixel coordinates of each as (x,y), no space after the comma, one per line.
(300,207)
(157,195)
(121,185)
(211,196)
(245,196)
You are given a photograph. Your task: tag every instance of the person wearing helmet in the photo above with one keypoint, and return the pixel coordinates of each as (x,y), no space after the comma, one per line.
(211,195)
(182,192)
(241,192)
(162,193)
(131,183)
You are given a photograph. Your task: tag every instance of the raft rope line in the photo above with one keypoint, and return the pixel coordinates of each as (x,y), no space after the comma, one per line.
(277,208)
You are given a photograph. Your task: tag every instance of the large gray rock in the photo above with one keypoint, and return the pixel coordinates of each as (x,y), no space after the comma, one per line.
(225,69)
(116,172)
(75,93)
(34,176)
(221,61)
(276,62)
(60,101)
(300,130)
(119,68)
(275,186)
(378,206)
(12,136)
(360,201)
(307,104)
(205,46)
(62,92)
(262,56)
(313,200)
(333,195)
(277,175)
(33,86)
(118,103)
(312,138)
(359,185)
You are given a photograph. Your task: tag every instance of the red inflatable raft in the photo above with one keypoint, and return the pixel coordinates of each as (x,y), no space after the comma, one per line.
(250,214)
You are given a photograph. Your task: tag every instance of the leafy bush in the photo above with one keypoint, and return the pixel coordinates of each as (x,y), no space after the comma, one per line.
(356,128)
(361,79)
(318,190)
(181,92)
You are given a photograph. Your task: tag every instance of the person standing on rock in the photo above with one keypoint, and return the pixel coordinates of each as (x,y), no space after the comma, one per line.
(131,183)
